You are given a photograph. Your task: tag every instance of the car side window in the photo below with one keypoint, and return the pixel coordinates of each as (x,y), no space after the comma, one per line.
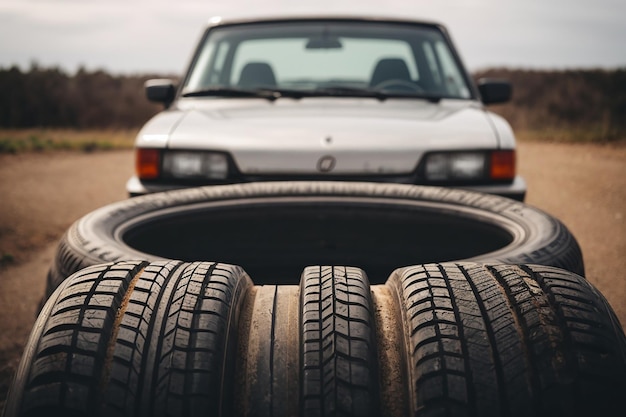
(199,79)
(429,53)
(452,78)
(444,71)
(218,63)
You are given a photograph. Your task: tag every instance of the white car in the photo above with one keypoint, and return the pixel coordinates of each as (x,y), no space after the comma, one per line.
(316,98)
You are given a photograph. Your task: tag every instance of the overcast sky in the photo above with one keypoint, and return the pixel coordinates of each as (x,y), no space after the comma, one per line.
(139,36)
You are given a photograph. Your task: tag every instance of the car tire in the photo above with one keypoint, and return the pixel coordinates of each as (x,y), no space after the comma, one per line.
(518,340)
(277,228)
(436,339)
(338,346)
(134,337)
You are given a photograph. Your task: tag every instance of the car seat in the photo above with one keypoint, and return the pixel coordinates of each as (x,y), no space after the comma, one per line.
(257,74)
(390,69)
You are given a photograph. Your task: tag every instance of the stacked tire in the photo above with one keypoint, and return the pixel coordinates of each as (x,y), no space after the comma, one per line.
(438,339)
(472,305)
(275,229)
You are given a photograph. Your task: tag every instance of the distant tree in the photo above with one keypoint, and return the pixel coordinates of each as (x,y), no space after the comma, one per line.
(88,99)
(594,100)
(49,97)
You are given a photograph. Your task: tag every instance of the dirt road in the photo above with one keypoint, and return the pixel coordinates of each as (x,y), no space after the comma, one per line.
(42,194)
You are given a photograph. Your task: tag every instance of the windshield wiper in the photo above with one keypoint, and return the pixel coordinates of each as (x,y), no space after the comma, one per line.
(416,95)
(377,94)
(266,93)
(229,92)
(276,93)
(341,91)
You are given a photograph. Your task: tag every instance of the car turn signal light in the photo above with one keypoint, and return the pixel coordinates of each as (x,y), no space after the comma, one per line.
(502,165)
(147,163)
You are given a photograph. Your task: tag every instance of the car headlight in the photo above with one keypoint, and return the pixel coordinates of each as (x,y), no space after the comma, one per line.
(195,165)
(470,166)
(189,165)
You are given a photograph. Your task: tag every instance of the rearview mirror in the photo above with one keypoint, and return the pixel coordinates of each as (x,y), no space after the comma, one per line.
(324,42)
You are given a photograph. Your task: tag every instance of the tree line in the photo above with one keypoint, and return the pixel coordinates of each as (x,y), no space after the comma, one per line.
(52,98)
(590,100)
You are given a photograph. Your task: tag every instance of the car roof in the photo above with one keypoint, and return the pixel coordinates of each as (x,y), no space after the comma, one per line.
(220,21)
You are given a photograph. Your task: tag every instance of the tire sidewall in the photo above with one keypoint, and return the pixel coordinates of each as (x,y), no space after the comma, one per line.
(537,237)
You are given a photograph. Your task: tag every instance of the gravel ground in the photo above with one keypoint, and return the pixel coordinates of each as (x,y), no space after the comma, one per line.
(42,194)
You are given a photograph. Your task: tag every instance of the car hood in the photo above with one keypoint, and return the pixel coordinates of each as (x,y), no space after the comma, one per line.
(361,136)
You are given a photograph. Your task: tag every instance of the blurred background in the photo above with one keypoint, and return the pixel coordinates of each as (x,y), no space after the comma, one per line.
(81,64)
(72,73)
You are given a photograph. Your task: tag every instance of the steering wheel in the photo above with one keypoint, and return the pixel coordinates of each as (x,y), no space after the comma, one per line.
(397,84)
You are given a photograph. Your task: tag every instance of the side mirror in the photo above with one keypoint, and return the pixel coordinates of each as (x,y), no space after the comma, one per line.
(494,91)
(160,91)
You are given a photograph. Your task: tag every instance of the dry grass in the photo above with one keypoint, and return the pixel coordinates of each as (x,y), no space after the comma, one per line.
(39,140)
(571,135)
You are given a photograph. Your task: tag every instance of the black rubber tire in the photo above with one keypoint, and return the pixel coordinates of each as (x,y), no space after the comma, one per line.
(449,339)
(134,338)
(531,235)
(338,346)
(267,375)
(507,340)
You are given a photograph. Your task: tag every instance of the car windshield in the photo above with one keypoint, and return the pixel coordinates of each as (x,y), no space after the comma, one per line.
(326,58)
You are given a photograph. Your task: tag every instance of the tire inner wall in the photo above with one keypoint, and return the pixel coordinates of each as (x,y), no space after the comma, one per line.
(273,243)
